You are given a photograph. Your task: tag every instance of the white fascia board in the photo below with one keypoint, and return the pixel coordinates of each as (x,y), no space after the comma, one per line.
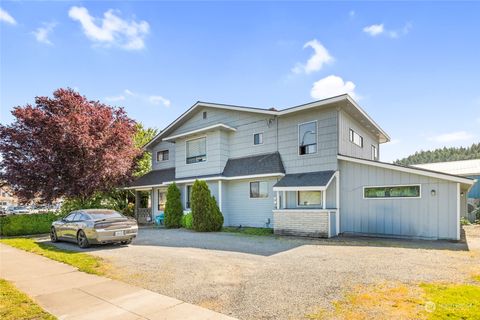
(143,187)
(356,105)
(253,176)
(215,126)
(437,175)
(309,188)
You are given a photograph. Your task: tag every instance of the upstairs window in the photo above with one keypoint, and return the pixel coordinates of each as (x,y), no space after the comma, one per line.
(356,138)
(196,150)
(162,155)
(374,152)
(307,138)
(258,138)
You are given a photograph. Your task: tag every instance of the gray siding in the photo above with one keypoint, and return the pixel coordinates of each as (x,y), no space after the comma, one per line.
(345,123)
(164,145)
(326,156)
(433,217)
(240,209)
(215,156)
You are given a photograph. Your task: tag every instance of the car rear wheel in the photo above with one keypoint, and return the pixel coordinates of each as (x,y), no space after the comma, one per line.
(126,242)
(82,240)
(53,235)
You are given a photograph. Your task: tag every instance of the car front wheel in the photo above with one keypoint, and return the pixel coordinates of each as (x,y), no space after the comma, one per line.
(53,235)
(82,240)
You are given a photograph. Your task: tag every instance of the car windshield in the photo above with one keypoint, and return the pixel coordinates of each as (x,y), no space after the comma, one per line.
(104,215)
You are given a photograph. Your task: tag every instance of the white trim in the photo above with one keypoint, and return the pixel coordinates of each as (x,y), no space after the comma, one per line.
(324,200)
(189,133)
(284,199)
(393,185)
(220,195)
(277,200)
(298,138)
(373,151)
(329,219)
(330,181)
(265,175)
(140,188)
(437,175)
(206,147)
(260,132)
(309,188)
(458,211)
(163,150)
(337,191)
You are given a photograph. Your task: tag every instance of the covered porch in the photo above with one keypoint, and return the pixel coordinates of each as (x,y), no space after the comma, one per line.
(307,204)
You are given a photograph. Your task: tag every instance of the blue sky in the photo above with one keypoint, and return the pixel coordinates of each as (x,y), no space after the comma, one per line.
(414,67)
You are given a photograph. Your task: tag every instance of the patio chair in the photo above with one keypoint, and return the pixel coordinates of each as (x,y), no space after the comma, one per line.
(159,219)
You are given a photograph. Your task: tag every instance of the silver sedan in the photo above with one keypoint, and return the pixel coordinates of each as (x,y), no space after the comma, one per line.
(94,226)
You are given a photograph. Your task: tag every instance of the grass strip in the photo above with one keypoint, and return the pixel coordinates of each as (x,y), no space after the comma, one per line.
(249,231)
(84,262)
(15,305)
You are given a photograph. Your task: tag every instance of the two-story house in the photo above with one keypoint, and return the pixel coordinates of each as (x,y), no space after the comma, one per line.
(311,170)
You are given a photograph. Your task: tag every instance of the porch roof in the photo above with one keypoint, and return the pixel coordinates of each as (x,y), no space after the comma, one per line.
(251,165)
(318,180)
(153,178)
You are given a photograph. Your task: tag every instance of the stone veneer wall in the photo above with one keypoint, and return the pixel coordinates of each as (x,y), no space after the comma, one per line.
(301,222)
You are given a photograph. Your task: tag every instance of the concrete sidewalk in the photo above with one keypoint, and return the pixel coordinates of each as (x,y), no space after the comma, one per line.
(68,293)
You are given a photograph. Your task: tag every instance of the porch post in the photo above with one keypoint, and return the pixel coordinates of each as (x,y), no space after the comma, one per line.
(220,195)
(137,203)
(278,200)
(152,194)
(284,199)
(337,187)
(324,202)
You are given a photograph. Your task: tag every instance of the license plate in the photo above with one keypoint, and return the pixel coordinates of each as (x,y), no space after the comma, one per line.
(119,233)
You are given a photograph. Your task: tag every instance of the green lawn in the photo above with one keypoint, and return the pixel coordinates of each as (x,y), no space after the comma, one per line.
(84,262)
(452,301)
(15,305)
(249,231)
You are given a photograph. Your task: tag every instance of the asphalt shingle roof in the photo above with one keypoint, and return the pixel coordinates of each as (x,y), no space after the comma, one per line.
(306,179)
(154,177)
(258,164)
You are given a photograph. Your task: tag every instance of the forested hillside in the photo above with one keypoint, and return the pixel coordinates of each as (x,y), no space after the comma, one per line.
(443,154)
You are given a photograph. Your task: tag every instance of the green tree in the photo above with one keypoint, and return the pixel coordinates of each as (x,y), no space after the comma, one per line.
(205,212)
(141,138)
(442,154)
(173,207)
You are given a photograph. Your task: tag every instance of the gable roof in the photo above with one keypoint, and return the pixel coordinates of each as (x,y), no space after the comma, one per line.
(460,168)
(252,165)
(408,169)
(350,105)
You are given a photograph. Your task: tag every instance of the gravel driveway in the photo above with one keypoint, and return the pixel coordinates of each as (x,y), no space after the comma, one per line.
(264,277)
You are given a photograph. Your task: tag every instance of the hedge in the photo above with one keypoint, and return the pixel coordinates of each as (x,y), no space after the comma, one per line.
(26,224)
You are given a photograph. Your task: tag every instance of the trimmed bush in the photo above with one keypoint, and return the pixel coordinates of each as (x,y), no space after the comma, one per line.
(173,207)
(205,212)
(26,224)
(187,221)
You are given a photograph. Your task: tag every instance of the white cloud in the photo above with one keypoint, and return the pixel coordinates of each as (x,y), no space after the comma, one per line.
(42,33)
(159,99)
(374,29)
(316,61)
(379,29)
(6,17)
(111,29)
(332,86)
(115,98)
(152,99)
(452,137)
